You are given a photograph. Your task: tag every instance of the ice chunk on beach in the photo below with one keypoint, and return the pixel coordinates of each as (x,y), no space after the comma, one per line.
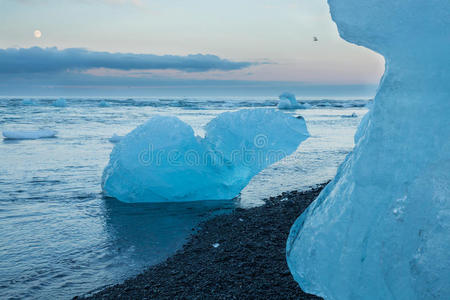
(163,161)
(287,101)
(29,135)
(60,103)
(381,228)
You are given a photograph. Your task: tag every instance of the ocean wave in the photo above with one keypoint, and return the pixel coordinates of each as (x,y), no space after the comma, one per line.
(183,103)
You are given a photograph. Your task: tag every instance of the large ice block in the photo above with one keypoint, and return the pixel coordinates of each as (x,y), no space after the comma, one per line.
(163,161)
(381,228)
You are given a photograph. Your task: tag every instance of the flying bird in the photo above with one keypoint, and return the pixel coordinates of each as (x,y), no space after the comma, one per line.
(315,39)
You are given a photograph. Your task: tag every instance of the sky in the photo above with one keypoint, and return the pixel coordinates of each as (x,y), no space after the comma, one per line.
(179,47)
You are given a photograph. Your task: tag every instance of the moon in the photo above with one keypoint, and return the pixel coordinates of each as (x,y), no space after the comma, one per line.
(37,34)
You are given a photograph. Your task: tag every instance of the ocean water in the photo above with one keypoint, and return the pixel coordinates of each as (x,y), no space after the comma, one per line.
(59,237)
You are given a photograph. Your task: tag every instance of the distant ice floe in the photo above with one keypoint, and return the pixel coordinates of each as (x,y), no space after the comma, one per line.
(353,115)
(304,106)
(60,103)
(103,103)
(115,138)
(287,101)
(29,135)
(28,102)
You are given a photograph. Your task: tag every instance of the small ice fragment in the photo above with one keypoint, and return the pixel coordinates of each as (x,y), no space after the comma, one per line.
(60,103)
(28,135)
(284,104)
(287,101)
(115,138)
(353,115)
(28,102)
(103,103)
(304,106)
(216,245)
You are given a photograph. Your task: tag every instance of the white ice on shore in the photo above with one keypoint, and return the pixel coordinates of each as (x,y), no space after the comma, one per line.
(60,103)
(287,101)
(28,134)
(163,161)
(381,228)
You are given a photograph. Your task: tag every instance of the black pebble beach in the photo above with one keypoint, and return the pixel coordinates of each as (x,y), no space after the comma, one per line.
(240,255)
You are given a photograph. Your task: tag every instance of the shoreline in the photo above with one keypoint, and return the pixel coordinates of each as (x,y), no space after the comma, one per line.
(239,255)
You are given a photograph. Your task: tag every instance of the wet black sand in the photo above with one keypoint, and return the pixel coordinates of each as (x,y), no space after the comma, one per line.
(248,263)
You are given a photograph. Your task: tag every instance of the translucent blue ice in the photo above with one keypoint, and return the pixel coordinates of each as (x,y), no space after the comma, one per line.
(103,103)
(163,161)
(28,134)
(60,103)
(381,228)
(287,101)
(28,102)
(115,138)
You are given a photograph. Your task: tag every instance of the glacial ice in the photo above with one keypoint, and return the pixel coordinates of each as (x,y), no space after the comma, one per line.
(353,115)
(163,161)
(60,103)
(28,135)
(103,103)
(28,102)
(287,101)
(304,105)
(115,138)
(381,228)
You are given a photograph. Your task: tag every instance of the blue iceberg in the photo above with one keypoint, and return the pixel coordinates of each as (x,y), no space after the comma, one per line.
(381,228)
(287,101)
(163,161)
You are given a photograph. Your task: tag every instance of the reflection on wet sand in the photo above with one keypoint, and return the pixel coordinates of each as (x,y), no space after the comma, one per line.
(147,233)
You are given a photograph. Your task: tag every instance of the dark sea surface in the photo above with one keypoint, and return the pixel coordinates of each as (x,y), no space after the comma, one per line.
(59,236)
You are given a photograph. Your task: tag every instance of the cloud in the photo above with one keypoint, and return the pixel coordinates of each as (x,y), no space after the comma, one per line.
(42,60)
(82,85)
(137,3)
